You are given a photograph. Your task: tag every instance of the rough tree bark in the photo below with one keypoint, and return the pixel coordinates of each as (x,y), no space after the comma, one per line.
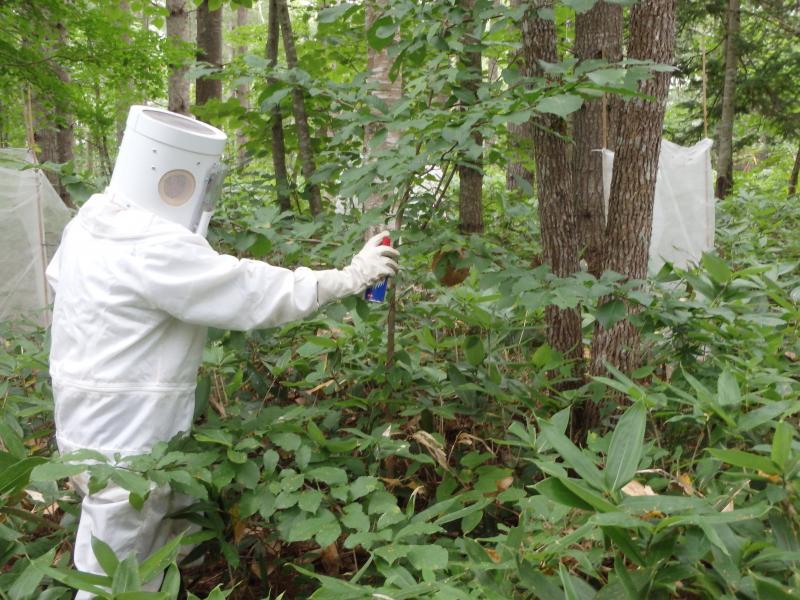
(516,171)
(178,33)
(378,65)
(725,130)
(553,184)
(275,117)
(598,35)
(638,146)
(54,123)
(470,175)
(795,173)
(242,92)
(300,116)
(520,137)
(209,42)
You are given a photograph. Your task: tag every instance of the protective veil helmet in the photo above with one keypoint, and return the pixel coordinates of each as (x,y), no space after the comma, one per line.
(169,164)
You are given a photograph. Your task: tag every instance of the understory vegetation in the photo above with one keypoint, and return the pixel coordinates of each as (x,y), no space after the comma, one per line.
(464,440)
(318,471)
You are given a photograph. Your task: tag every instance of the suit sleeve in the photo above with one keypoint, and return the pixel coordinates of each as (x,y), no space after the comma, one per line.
(188,279)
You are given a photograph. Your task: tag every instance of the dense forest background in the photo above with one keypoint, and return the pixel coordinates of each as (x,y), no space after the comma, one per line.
(532,413)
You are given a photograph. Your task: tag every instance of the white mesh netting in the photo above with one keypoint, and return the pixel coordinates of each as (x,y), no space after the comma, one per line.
(32,217)
(683,213)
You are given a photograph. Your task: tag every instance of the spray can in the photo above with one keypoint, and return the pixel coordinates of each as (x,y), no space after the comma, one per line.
(377,292)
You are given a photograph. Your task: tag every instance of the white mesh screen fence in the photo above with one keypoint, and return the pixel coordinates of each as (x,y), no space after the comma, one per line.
(32,217)
(683,213)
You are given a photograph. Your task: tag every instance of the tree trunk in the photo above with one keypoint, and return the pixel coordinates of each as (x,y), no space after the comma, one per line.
(178,34)
(300,116)
(54,124)
(725,131)
(470,175)
(276,118)
(378,65)
(795,173)
(209,42)
(520,137)
(553,184)
(598,35)
(630,217)
(516,173)
(242,92)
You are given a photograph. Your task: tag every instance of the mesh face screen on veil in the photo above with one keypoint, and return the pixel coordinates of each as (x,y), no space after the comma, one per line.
(176,187)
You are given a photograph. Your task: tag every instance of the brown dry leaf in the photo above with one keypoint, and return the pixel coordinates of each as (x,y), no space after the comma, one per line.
(503,484)
(634,488)
(493,554)
(321,386)
(685,481)
(331,561)
(391,482)
(772,478)
(791,356)
(239,529)
(652,514)
(434,448)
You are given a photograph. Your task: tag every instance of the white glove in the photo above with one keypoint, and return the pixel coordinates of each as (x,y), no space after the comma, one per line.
(369,266)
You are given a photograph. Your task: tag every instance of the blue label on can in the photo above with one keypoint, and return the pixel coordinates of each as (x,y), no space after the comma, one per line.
(377,292)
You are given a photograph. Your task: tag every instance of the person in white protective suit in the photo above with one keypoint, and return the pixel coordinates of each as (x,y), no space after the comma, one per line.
(136,285)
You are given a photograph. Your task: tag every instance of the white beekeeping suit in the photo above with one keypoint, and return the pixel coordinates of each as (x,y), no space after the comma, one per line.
(137,284)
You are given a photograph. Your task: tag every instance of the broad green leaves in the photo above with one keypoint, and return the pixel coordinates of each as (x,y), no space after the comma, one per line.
(627,446)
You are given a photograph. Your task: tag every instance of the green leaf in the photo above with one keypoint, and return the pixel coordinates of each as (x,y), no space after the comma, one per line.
(381,34)
(428,557)
(624,576)
(17,474)
(105,556)
(610,313)
(473,350)
(215,436)
(782,444)
(155,564)
(746,460)
(26,582)
(471,521)
(310,500)
(626,447)
(415,529)
(329,475)
(53,471)
(328,533)
(331,14)
(557,492)
(287,440)
(595,500)
(126,577)
(728,390)
(769,589)
(607,76)
(561,105)
(305,528)
(270,460)
(580,6)
(717,268)
(572,455)
(364,485)
(354,517)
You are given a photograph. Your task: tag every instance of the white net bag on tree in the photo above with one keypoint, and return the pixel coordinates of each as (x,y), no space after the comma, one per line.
(683,213)
(32,217)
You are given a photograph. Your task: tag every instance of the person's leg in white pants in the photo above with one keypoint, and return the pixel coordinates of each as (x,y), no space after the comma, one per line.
(110,517)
